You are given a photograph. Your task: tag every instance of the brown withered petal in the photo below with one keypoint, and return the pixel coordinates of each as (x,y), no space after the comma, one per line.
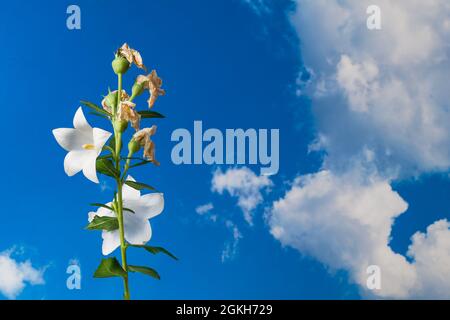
(143,138)
(154,86)
(133,56)
(149,152)
(123,96)
(128,113)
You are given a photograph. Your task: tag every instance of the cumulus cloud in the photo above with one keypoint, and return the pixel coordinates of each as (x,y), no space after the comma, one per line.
(14,275)
(345,221)
(244,184)
(379,98)
(385,89)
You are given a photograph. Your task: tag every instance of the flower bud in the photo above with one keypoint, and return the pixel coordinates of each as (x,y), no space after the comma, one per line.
(120,65)
(133,146)
(120,125)
(137,90)
(111,99)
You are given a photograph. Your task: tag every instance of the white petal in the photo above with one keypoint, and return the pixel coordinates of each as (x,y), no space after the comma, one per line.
(89,166)
(74,162)
(111,241)
(71,139)
(129,193)
(148,206)
(100,137)
(79,121)
(91,216)
(137,231)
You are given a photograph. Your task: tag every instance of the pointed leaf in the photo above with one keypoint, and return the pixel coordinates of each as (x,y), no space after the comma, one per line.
(109,268)
(150,114)
(145,270)
(99,115)
(155,250)
(102,205)
(129,210)
(140,163)
(95,107)
(106,167)
(138,185)
(103,223)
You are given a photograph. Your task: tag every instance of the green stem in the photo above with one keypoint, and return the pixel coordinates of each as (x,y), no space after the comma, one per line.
(118,147)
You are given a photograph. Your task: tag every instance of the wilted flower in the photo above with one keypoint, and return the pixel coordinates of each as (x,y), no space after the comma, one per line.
(153,83)
(132,56)
(127,112)
(143,138)
(136,225)
(111,99)
(83,144)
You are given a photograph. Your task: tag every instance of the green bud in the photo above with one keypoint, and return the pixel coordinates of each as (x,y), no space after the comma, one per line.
(120,65)
(133,146)
(137,90)
(120,125)
(111,99)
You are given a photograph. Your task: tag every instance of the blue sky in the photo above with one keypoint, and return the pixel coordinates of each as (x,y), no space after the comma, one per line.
(222,63)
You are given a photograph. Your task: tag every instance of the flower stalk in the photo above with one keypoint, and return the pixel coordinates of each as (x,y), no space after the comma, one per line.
(124,221)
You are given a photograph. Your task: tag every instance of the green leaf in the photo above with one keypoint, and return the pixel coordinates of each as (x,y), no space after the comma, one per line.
(109,268)
(95,107)
(102,205)
(155,250)
(150,114)
(145,270)
(138,185)
(106,167)
(129,210)
(101,115)
(140,164)
(108,148)
(103,223)
(105,156)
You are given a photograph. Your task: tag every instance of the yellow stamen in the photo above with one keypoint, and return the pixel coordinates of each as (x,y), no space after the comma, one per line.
(88,146)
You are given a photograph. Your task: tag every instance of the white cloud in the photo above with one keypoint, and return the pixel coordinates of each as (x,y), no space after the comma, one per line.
(231,247)
(431,252)
(380,98)
(345,221)
(204,209)
(244,184)
(260,7)
(14,275)
(384,89)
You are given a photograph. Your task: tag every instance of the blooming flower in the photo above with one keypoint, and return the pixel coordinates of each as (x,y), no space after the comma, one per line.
(136,225)
(133,56)
(83,144)
(143,137)
(153,83)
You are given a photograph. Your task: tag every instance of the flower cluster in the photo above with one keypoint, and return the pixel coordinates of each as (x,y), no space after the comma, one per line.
(124,221)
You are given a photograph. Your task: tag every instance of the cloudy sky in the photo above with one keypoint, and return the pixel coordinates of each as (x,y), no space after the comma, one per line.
(364,147)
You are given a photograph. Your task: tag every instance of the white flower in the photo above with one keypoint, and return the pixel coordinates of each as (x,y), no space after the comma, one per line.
(83,144)
(137,227)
